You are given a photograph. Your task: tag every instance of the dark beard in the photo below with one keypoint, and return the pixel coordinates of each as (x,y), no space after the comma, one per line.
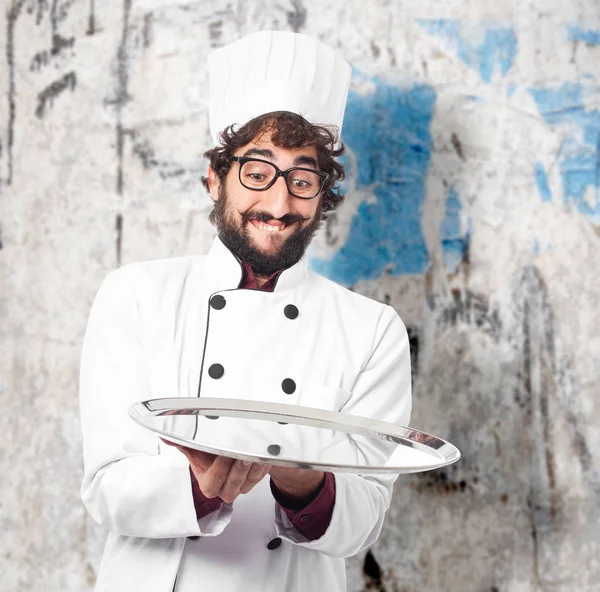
(237,239)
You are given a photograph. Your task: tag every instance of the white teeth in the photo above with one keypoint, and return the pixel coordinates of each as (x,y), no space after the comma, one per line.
(269,227)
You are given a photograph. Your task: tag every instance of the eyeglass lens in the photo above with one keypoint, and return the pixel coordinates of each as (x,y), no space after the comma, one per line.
(257,175)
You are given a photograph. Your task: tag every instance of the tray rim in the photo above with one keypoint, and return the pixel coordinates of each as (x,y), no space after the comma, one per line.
(445,452)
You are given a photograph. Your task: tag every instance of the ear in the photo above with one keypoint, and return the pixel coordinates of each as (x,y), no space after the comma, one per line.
(213,183)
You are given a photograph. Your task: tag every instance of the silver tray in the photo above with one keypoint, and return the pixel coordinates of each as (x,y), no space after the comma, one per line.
(293,436)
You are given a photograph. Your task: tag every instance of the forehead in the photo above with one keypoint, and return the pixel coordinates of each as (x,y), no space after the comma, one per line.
(263,141)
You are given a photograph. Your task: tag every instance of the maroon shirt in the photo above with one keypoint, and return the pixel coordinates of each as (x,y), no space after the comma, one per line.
(311,518)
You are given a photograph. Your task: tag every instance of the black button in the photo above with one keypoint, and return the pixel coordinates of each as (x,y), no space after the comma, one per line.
(288,386)
(216,371)
(274,543)
(304,518)
(274,449)
(218,302)
(291,311)
(211,416)
(193,538)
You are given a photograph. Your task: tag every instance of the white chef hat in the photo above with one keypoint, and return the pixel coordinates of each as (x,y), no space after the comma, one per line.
(276,71)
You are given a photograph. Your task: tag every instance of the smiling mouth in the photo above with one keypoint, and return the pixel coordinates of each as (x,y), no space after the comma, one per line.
(271,226)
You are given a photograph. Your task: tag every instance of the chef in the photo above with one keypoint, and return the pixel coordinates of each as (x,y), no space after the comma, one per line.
(248,320)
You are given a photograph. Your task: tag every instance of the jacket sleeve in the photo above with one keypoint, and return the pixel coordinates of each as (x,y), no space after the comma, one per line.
(381,391)
(131,485)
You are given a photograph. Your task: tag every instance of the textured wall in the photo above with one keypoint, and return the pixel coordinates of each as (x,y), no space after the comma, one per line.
(473,134)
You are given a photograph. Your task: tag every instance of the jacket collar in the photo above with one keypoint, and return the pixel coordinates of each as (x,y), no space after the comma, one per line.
(226,270)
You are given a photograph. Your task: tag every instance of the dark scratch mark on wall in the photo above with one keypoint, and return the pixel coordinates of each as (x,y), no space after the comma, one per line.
(215,32)
(147,34)
(53,17)
(534,539)
(42,7)
(57,13)
(413,341)
(443,481)
(11,19)
(47,96)
(42,58)
(59,43)
(147,156)
(372,573)
(60,11)
(456,144)
(39,60)
(297,18)
(121,98)
(542,381)
(469,308)
(91,30)
(392,54)
(122,94)
(538,357)
(331,237)
(119,233)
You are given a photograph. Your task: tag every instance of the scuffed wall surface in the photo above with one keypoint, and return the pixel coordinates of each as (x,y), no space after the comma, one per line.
(473,134)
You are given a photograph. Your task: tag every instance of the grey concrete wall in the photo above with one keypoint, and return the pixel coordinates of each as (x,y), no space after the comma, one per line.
(473,134)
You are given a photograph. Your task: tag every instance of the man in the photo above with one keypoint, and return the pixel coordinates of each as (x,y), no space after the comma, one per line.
(246,321)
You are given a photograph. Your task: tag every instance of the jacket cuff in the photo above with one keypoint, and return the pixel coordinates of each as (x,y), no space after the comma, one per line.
(204,506)
(311,520)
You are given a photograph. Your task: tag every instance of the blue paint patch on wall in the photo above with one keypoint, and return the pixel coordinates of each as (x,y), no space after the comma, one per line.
(454,244)
(541,178)
(388,130)
(579,159)
(578,33)
(485,47)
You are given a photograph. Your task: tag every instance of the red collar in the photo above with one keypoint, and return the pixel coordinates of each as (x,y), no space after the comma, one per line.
(249,281)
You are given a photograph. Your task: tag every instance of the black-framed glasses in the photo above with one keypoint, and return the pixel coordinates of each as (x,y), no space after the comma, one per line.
(259,175)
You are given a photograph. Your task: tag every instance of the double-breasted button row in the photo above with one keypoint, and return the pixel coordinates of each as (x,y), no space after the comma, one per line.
(288,385)
(216,371)
(218,302)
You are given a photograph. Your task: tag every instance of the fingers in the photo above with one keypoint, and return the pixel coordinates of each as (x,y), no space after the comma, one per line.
(220,476)
(212,481)
(202,460)
(228,478)
(255,475)
(238,473)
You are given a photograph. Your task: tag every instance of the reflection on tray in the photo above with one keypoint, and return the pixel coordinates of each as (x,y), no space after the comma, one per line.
(270,439)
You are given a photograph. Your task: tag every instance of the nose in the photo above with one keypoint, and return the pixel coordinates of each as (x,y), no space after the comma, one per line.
(277,199)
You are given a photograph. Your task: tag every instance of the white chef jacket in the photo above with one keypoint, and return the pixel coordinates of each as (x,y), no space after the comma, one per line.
(152,333)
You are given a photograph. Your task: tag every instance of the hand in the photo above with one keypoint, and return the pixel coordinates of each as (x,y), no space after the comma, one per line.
(220,476)
(296,485)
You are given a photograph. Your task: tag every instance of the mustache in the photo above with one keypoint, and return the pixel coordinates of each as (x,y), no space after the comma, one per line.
(262,216)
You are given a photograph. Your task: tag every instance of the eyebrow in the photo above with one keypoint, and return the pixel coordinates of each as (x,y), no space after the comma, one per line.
(306,160)
(268,154)
(265,152)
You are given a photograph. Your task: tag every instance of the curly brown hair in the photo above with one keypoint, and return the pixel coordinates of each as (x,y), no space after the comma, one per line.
(288,130)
